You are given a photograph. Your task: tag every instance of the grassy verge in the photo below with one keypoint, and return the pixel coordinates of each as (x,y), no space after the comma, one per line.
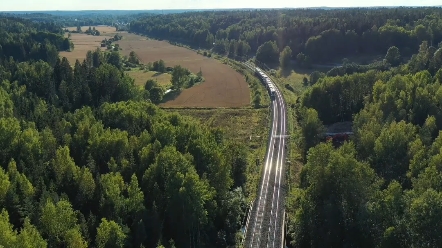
(248,126)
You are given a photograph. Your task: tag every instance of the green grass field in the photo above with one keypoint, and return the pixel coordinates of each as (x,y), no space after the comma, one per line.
(140,76)
(292,84)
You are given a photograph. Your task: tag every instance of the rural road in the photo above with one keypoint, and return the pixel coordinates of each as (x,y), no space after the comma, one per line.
(264,226)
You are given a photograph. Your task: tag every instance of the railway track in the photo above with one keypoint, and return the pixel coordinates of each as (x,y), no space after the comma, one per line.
(265,224)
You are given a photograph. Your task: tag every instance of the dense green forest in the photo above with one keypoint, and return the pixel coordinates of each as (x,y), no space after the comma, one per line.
(88,161)
(320,35)
(24,40)
(383,187)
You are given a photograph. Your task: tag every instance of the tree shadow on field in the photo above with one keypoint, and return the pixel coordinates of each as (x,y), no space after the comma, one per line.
(285,72)
(273,65)
(309,70)
(170,96)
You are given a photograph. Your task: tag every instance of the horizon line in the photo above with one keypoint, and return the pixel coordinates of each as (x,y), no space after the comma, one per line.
(233,8)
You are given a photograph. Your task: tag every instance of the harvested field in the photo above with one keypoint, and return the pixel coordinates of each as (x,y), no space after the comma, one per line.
(104,30)
(223,86)
(141,77)
(82,44)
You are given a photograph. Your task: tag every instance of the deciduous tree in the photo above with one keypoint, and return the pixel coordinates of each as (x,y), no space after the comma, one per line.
(268,52)
(110,234)
(284,57)
(393,56)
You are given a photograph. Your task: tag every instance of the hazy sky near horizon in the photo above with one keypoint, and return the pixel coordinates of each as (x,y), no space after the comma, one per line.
(31,5)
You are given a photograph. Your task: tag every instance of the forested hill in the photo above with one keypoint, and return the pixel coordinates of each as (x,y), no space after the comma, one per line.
(87,161)
(322,35)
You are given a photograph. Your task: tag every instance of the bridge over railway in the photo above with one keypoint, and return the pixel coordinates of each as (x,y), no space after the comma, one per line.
(265,222)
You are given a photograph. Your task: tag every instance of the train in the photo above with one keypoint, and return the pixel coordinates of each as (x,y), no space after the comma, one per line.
(267,82)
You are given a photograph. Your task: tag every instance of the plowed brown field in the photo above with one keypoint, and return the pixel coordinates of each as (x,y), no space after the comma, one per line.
(224,87)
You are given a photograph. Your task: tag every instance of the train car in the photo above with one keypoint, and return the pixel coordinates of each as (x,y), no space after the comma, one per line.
(272,93)
(266,81)
(258,72)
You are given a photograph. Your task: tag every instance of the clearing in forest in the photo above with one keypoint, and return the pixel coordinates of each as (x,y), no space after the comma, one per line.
(223,86)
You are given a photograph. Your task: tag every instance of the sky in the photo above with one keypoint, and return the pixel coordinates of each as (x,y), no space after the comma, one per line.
(36,5)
